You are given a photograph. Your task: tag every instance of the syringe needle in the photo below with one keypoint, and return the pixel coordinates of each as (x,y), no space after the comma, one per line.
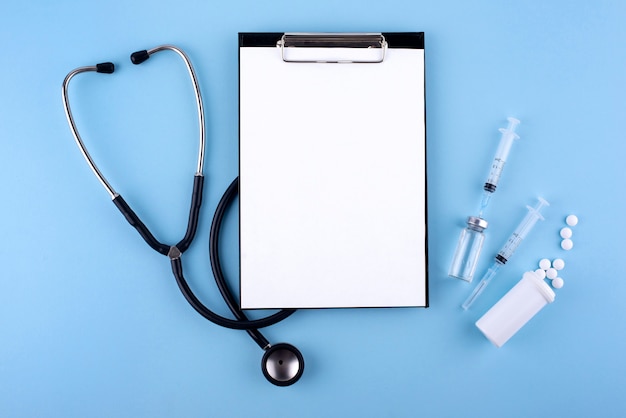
(484,202)
(484,282)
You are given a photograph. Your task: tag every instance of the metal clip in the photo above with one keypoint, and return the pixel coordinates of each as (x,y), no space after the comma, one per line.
(362,44)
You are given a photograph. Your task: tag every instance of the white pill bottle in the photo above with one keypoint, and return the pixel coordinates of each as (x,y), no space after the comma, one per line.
(515,308)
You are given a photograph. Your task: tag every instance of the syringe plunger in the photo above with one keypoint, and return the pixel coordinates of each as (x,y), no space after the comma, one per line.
(502,153)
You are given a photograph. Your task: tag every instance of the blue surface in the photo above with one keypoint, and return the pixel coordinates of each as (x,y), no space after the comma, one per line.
(92,323)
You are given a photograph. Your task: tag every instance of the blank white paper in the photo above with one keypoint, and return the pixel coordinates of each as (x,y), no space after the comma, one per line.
(332,182)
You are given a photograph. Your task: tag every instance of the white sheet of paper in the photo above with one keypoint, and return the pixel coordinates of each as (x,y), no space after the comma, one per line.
(332,182)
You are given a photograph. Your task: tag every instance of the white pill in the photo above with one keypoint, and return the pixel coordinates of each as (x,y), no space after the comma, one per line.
(571,220)
(566,232)
(551,273)
(558,264)
(541,273)
(567,244)
(557,283)
(544,264)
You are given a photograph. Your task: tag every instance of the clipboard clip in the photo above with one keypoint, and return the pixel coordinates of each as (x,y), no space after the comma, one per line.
(336,48)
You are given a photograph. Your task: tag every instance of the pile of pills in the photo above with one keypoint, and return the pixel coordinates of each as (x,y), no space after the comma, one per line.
(566,232)
(551,269)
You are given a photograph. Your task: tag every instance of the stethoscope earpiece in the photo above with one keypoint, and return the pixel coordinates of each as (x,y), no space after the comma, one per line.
(139,56)
(105,68)
(282,364)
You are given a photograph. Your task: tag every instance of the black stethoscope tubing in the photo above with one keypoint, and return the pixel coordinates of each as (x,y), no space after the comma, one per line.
(242,321)
(216,266)
(282,363)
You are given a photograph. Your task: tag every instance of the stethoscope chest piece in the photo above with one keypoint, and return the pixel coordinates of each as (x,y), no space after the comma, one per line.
(282,364)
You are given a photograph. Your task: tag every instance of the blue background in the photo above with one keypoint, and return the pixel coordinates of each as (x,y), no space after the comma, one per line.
(91,321)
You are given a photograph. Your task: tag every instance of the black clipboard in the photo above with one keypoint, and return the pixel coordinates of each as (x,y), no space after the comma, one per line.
(332,165)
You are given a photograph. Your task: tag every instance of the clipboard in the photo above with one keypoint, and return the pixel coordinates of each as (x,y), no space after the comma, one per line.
(332,166)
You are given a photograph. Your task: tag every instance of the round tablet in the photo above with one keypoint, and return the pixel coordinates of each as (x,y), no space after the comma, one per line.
(566,232)
(551,273)
(571,220)
(544,264)
(557,283)
(558,264)
(567,244)
(541,273)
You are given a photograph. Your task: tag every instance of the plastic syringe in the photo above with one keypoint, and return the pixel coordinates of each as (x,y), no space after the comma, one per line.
(502,153)
(508,249)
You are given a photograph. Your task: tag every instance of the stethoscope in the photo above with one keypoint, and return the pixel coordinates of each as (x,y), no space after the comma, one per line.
(282,363)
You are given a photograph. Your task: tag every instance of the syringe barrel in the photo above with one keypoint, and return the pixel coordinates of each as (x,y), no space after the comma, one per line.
(522,230)
(502,153)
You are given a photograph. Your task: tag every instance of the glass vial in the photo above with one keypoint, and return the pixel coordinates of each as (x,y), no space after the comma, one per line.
(468,249)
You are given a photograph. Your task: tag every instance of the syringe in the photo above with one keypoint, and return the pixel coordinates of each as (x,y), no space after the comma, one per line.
(508,249)
(502,153)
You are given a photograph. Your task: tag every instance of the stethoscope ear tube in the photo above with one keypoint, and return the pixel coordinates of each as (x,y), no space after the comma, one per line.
(118,200)
(192,223)
(194,213)
(134,221)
